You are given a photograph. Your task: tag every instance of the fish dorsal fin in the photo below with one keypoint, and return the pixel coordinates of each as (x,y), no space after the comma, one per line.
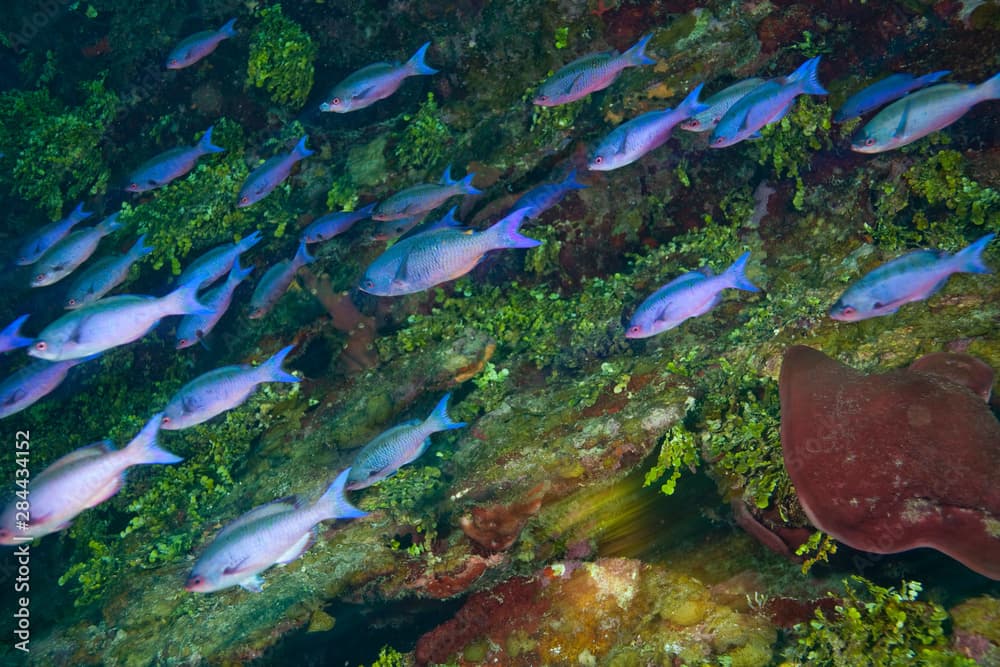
(278,506)
(689,277)
(90,451)
(901,127)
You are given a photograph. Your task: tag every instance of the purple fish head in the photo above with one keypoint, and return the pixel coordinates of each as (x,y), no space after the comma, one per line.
(844,312)
(638,329)
(870,139)
(42,349)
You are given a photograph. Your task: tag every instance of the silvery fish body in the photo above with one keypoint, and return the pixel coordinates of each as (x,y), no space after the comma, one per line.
(375,82)
(104,275)
(78,481)
(913,277)
(327,226)
(217,262)
(590,73)
(690,295)
(33,382)
(421,261)
(921,113)
(391,229)
(275,533)
(423,198)
(197,46)
(11,338)
(223,389)
(274,283)
(717,105)
(110,322)
(400,445)
(193,328)
(543,197)
(265,178)
(766,104)
(71,251)
(631,140)
(170,165)
(882,92)
(36,243)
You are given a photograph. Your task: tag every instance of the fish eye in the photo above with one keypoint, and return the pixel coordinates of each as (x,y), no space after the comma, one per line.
(634,329)
(870,141)
(244,199)
(694,122)
(335,101)
(41,345)
(543,97)
(369,283)
(173,61)
(180,341)
(40,276)
(165,420)
(848,310)
(598,160)
(72,302)
(719,140)
(133,186)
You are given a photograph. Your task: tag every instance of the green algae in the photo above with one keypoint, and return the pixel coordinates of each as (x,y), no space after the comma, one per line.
(281,58)
(875,625)
(55,149)
(426,140)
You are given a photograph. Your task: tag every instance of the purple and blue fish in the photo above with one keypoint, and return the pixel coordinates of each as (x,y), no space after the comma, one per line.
(197,46)
(217,262)
(375,82)
(33,382)
(80,480)
(71,251)
(766,104)
(631,140)
(887,90)
(110,322)
(401,444)
(920,113)
(590,73)
(35,245)
(543,197)
(11,338)
(274,283)
(220,390)
(430,258)
(104,275)
(271,174)
(424,197)
(272,534)
(690,295)
(171,165)
(392,229)
(327,226)
(913,277)
(717,105)
(194,328)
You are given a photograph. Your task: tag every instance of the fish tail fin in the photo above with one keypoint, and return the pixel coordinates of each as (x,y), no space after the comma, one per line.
(271,370)
(79,214)
(335,505)
(807,77)
(13,332)
(970,259)
(506,234)
(109,224)
(417,64)
(691,104)
(637,54)
(184,300)
(143,448)
(570,182)
(248,242)
(238,274)
(990,89)
(934,76)
(229,29)
(300,149)
(737,278)
(302,256)
(467,187)
(439,419)
(205,144)
(138,249)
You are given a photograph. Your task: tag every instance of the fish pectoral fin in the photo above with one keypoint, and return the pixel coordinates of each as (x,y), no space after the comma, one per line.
(361,94)
(571,86)
(901,127)
(662,315)
(236,568)
(77,335)
(254,584)
(15,396)
(400,278)
(298,548)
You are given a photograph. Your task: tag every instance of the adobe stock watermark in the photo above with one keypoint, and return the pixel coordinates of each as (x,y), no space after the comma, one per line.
(46,12)
(20,538)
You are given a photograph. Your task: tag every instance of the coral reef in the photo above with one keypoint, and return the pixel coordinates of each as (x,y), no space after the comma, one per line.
(281,58)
